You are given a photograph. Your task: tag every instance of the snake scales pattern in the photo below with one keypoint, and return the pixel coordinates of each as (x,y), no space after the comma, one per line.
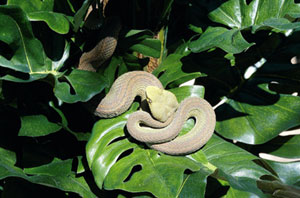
(159,136)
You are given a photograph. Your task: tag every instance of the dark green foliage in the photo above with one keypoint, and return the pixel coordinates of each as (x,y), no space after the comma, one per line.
(52,144)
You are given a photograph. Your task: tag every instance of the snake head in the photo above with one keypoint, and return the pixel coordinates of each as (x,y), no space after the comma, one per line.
(162,103)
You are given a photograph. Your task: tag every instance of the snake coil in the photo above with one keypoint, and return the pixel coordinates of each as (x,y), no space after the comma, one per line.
(157,135)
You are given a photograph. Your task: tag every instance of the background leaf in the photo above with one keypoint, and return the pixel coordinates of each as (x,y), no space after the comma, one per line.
(16,31)
(45,175)
(43,11)
(230,41)
(171,70)
(86,84)
(37,125)
(247,117)
(240,15)
(235,164)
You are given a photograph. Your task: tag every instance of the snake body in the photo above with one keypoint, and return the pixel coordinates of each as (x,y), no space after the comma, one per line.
(159,136)
(162,139)
(123,92)
(205,118)
(93,59)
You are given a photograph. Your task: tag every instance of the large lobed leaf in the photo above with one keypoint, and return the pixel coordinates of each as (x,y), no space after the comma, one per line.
(244,117)
(257,14)
(235,165)
(238,15)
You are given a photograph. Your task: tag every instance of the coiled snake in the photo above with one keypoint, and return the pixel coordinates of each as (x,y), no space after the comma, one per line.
(161,136)
(160,132)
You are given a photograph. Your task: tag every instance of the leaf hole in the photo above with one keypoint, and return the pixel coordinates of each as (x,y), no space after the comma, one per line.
(5,50)
(72,90)
(16,74)
(248,2)
(134,170)
(116,140)
(160,74)
(188,172)
(125,154)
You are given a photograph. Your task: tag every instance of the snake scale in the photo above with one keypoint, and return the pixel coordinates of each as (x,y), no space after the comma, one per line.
(143,127)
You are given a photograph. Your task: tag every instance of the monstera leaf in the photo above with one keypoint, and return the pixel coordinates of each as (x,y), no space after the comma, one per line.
(110,151)
(238,15)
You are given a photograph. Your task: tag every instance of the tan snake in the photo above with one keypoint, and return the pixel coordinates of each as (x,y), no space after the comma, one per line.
(141,125)
(93,59)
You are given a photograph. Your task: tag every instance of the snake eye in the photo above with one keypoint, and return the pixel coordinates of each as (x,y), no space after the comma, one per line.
(149,100)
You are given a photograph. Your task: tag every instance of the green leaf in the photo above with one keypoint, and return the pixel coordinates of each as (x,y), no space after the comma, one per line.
(289,173)
(233,193)
(37,125)
(238,15)
(167,171)
(7,161)
(43,11)
(55,168)
(110,72)
(234,164)
(29,56)
(171,69)
(148,47)
(230,41)
(286,147)
(57,174)
(85,84)
(184,91)
(242,118)
(194,184)
(80,14)
(103,132)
